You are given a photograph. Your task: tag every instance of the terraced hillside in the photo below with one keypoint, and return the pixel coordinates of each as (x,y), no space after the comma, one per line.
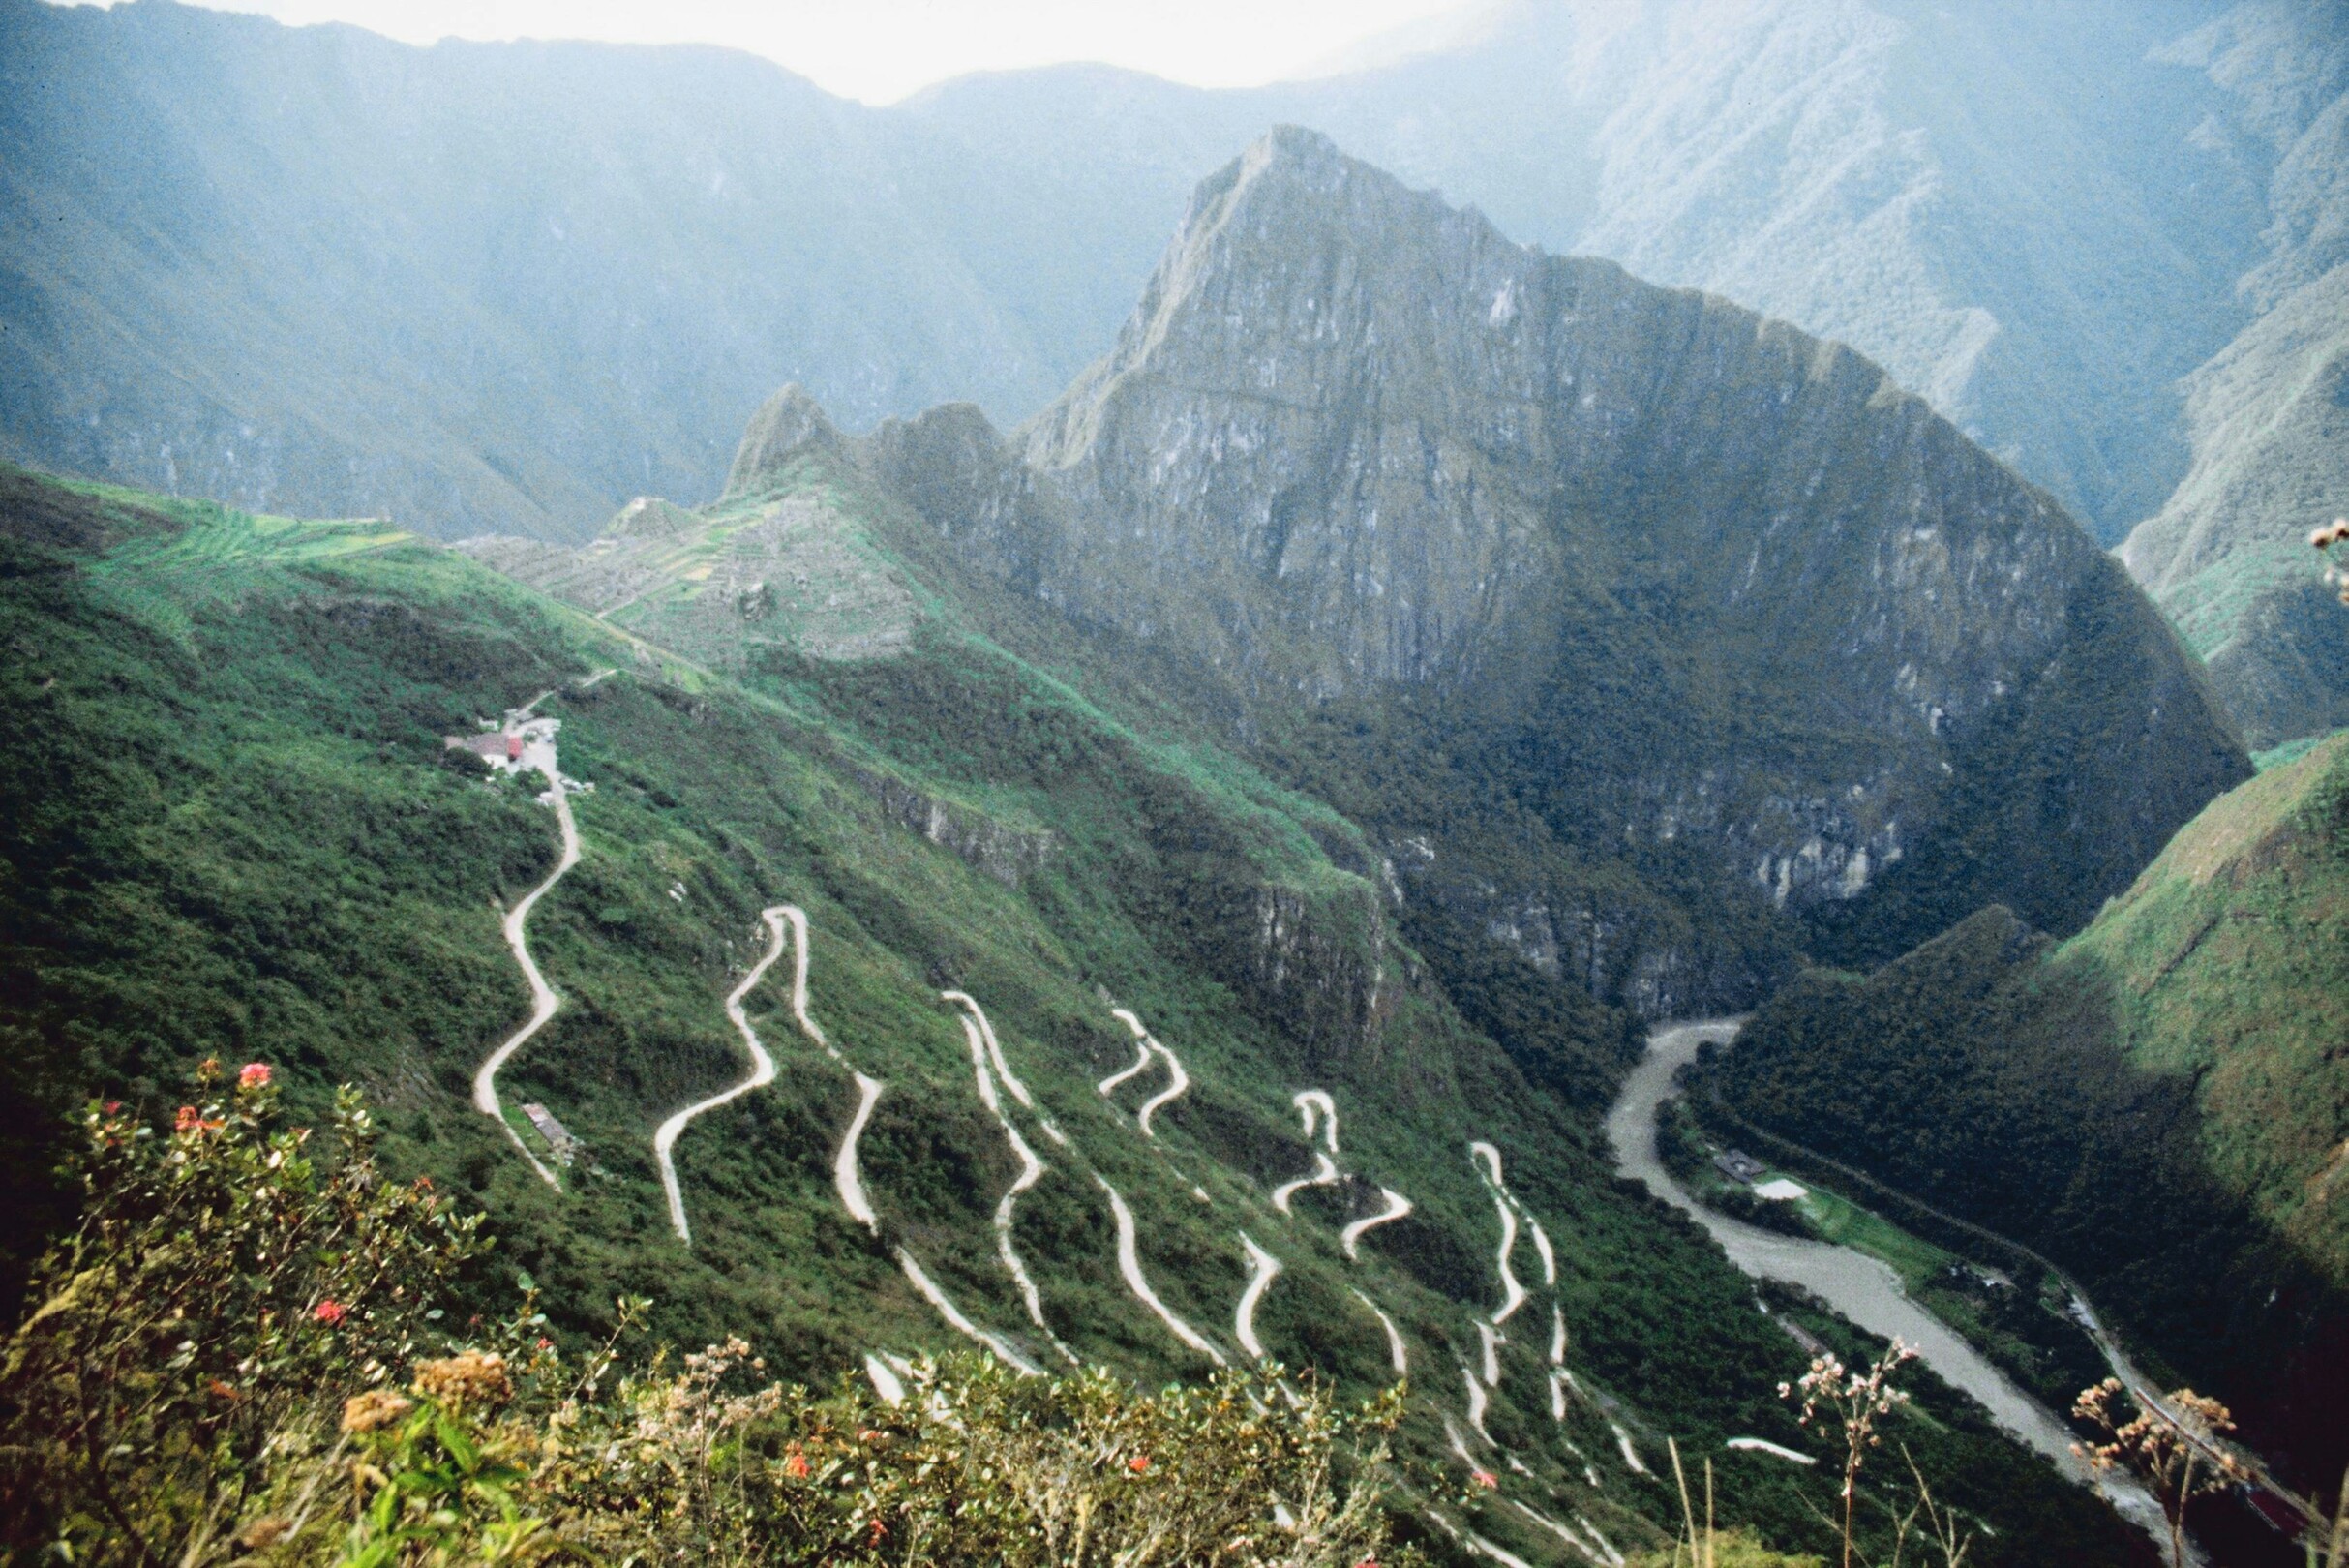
(2161,1103)
(993,876)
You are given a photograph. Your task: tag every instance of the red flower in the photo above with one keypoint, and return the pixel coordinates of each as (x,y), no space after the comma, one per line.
(252,1075)
(545,1343)
(188,1121)
(794,1465)
(330,1311)
(1139,1463)
(879,1530)
(113,1106)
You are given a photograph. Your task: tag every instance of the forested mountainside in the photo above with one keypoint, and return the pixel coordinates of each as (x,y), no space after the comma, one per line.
(1656,636)
(2158,1104)
(245,836)
(2269,415)
(2034,217)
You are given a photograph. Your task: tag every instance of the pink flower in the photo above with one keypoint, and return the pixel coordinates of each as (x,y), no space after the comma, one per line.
(330,1311)
(252,1075)
(188,1121)
(1484,1478)
(113,1106)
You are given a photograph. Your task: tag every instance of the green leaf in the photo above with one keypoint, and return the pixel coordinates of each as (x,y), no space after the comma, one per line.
(461,1447)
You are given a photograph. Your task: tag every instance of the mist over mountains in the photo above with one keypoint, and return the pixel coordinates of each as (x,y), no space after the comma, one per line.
(501,288)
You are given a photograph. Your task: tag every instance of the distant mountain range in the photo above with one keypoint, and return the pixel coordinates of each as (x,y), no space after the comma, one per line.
(501,288)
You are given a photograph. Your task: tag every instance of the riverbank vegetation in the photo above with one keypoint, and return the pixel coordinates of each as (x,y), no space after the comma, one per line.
(2154,1106)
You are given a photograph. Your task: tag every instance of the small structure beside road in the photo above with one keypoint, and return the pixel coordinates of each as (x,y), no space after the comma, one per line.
(1739,1166)
(558,1136)
(523,744)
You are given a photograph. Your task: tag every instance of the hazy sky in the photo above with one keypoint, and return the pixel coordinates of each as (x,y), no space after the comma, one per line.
(880,50)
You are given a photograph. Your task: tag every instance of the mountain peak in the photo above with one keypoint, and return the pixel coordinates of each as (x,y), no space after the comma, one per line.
(787,425)
(1353,441)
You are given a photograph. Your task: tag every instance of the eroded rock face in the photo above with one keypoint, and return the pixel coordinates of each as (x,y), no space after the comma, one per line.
(1353,442)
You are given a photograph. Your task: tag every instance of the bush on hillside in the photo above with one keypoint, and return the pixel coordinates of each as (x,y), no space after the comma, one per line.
(237,1357)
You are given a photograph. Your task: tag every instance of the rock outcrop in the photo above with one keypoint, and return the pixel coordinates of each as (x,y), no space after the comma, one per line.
(1693,576)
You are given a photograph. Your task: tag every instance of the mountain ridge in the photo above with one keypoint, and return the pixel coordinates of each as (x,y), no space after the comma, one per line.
(1355,449)
(1352,443)
(975,194)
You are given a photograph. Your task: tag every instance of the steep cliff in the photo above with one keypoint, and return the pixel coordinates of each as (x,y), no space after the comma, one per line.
(2269,415)
(1673,579)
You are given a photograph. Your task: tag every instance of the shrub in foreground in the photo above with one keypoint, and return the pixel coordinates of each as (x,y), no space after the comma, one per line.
(238,1356)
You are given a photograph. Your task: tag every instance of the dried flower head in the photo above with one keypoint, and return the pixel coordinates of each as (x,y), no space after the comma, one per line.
(2176,1442)
(377,1408)
(467,1378)
(263,1533)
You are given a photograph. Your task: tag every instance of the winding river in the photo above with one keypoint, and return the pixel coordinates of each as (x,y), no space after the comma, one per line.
(1862,1288)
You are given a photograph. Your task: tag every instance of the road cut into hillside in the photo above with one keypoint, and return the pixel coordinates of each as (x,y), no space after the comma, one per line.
(1178,1081)
(1397,1206)
(543,1000)
(1317,1106)
(1324,1174)
(1477,1403)
(955,1320)
(1488,1161)
(848,1176)
(762,1073)
(1318,1111)
(1178,1084)
(798,919)
(1398,1354)
(1141,1062)
(1003,1068)
(1564,1532)
(1262,1269)
(1031,1172)
(1130,1267)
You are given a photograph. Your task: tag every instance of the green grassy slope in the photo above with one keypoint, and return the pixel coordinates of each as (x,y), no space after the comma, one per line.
(2159,1103)
(2268,415)
(243,838)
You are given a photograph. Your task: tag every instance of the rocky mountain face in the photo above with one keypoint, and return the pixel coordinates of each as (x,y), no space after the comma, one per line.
(1677,583)
(2269,415)
(2039,219)
(2024,213)
(480,288)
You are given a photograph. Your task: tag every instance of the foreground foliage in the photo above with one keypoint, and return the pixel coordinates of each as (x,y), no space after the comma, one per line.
(229,1361)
